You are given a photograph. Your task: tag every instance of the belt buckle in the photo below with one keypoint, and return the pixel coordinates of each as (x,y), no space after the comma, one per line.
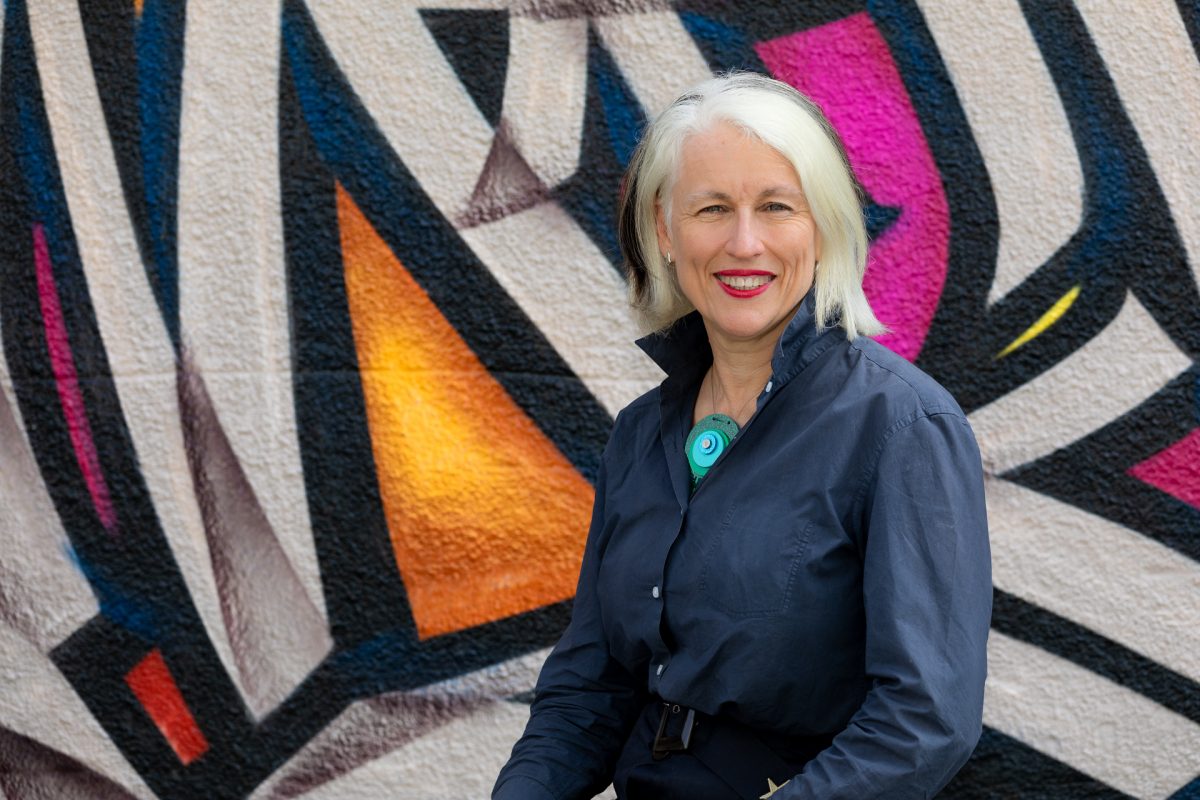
(665,744)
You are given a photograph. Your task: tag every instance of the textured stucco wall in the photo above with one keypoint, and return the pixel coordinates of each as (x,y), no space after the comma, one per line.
(312,334)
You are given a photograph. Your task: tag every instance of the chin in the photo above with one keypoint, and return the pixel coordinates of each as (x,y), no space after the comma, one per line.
(745,326)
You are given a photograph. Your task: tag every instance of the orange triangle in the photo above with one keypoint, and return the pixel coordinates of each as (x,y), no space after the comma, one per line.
(487,518)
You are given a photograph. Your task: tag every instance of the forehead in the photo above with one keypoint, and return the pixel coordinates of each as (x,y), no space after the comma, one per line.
(728,157)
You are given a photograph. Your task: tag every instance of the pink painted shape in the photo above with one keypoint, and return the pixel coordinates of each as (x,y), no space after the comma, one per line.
(63,365)
(847,69)
(1174,470)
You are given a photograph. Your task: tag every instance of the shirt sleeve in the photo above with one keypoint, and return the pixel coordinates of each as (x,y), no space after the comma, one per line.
(927,593)
(584,704)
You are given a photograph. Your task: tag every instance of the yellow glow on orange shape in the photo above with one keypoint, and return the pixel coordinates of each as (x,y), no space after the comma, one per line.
(487,518)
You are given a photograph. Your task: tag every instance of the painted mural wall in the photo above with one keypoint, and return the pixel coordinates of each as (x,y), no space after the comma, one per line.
(312,333)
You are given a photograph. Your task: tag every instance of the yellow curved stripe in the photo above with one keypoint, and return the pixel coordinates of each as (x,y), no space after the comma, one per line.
(487,518)
(1045,321)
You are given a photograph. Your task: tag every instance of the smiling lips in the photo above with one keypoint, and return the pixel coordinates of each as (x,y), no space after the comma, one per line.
(744,282)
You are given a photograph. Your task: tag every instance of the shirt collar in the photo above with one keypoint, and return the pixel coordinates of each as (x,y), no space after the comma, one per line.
(683,348)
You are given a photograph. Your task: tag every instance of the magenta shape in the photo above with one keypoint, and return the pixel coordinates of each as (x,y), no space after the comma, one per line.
(1174,470)
(847,69)
(63,365)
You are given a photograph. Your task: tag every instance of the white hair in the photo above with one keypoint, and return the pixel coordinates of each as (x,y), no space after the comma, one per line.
(787,121)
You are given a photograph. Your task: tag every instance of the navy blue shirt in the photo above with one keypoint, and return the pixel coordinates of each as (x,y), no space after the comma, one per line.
(830,575)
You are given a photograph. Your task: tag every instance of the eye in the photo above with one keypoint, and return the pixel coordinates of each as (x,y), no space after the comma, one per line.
(777,207)
(714,209)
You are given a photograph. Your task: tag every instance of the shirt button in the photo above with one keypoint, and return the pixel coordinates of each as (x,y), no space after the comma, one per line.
(769,385)
(654,592)
(659,669)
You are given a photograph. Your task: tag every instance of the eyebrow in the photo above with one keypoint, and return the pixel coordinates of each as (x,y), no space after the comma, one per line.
(770,191)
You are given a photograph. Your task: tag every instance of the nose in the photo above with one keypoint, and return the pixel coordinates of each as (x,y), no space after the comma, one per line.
(745,240)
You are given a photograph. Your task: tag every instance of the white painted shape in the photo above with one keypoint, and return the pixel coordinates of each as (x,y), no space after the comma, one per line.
(135,338)
(38,703)
(571,292)
(1021,129)
(1088,722)
(491,683)
(656,55)
(1102,575)
(498,680)
(1150,57)
(47,596)
(459,759)
(1122,366)
(233,300)
(411,92)
(38,582)
(445,147)
(545,93)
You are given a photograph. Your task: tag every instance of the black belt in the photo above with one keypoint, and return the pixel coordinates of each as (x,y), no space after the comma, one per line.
(739,755)
(674,730)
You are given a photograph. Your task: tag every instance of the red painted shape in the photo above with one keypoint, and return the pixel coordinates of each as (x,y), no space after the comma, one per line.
(63,365)
(156,690)
(1175,469)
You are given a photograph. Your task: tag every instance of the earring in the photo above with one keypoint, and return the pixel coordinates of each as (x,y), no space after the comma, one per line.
(669,261)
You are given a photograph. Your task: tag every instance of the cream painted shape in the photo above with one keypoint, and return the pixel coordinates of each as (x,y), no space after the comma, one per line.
(656,55)
(42,594)
(1100,728)
(573,295)
(1102,575)
(39,704)
(431,123)
(1126,363)
(233,301)
(545,93)
(1020,126)
(1150,57)
(135,339)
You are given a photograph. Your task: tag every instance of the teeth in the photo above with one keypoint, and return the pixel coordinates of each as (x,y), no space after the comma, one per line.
(744,282)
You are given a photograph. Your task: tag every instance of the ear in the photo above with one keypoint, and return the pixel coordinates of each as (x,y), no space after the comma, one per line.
(660,222)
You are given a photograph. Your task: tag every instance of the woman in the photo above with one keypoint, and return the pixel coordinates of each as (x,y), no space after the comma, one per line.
(787,578)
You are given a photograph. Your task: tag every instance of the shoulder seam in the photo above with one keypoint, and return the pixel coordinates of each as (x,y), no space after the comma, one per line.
(928,409)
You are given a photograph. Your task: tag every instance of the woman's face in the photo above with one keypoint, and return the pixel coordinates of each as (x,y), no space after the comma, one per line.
(741,233)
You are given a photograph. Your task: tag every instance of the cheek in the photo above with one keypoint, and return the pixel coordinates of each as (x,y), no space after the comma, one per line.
(699,240)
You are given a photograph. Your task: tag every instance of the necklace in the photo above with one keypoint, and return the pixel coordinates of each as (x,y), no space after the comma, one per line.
(712,393)
(710,437)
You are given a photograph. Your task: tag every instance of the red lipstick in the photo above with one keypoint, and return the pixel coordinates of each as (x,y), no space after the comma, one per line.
(744,273)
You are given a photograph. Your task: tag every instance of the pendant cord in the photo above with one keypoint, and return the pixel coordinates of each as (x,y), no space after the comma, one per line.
(712,391)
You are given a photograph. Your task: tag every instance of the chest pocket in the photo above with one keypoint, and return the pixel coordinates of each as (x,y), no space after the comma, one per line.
(751,566)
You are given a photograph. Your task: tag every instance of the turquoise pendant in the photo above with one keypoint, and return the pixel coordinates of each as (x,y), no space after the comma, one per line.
(708,439)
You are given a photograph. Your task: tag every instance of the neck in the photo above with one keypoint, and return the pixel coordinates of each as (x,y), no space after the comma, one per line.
(738,374)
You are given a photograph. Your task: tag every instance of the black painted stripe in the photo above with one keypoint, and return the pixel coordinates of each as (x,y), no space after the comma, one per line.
(504,339)
(1034,625)
(1092,473)
(1004,767)
(1189,12)
(344,506)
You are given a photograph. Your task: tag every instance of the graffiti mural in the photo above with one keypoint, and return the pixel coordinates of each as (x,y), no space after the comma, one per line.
(313,329)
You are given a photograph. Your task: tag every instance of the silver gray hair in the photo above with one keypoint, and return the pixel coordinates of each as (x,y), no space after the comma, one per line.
(792,124)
